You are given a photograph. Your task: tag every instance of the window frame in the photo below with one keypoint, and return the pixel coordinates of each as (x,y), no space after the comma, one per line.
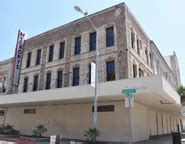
(113,75)
(77,45)
(110,36)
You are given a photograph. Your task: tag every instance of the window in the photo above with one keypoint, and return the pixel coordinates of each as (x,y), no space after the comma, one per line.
(2,112)
(48,80)
(59,79)
(51,52)
(25,87)
(141,73)
(77,45)
(104,108)
(35,82)
(138,46)
(89,81)
(132,39)
(134,71)
(76,76)
(62,49)
(28,60)
(146,55)
(93,41)
(109,36)
(29,111)
(38,57)
(110,70)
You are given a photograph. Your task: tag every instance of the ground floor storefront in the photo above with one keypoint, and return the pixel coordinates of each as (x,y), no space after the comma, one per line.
(69,111)
(70,120)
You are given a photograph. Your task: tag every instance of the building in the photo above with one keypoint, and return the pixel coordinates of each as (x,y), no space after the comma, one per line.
(54,87)
(172,62)
(5,76)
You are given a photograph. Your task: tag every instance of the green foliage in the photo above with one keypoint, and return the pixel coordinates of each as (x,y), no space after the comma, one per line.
(8,129)
(39,130)
(181,92)
(91,133)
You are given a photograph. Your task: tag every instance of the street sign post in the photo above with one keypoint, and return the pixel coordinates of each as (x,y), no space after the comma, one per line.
(129,102)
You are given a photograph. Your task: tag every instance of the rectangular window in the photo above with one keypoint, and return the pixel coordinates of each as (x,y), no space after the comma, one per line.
(2,112)
(35,83)
(77,45)
(132,39)
(109,36)
(28,62)
(89,81)
(110,70)
(62,49)
(38,57)
(59,79)
(48,80)
(51,53)
(104,108)
(29,111)
(25,87)
(138,46)
(134,70)
(141,73)
(146,55)
(76,76)
(93,41)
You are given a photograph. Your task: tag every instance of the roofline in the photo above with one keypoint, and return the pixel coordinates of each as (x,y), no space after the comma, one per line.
(77,20)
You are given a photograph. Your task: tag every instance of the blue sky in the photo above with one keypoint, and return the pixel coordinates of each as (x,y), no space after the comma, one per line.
(162,20)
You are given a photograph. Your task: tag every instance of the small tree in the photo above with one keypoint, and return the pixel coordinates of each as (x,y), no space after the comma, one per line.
(39,130)
(91,133)
(181,92)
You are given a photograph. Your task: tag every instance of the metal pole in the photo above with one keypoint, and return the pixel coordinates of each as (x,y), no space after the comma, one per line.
(130,120)
(96,79)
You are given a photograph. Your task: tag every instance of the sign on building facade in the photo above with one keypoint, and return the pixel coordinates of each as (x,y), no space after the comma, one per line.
(18,58)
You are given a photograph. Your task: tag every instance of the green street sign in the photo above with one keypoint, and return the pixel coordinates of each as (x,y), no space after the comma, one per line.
(128,92)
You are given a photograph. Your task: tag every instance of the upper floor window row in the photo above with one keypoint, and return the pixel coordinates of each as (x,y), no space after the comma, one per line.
(77,47)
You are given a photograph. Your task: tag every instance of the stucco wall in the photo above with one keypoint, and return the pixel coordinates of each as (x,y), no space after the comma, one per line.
(71,120)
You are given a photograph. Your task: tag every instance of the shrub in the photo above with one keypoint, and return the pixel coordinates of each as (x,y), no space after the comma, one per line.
(39,130)
(91,134)
(8,129)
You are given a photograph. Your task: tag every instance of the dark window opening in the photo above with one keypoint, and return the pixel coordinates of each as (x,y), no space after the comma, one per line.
(2,112)
(35,83)
(38,57)
(134,70)
(133,39)
(111,71)
(48,81)
(109,36)
(51,53)
(25,87)
(76,76)
(77,45)
(59,79)
(89,81)
(62,49)
(29,111)
(28,60)
(141,73)
(104,108)
(93,41)
(138,46)
(146,55)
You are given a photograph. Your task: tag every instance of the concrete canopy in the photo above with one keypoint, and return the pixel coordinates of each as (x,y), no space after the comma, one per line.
(153,91)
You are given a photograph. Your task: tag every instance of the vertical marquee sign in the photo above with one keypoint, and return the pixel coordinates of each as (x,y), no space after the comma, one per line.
(18,58)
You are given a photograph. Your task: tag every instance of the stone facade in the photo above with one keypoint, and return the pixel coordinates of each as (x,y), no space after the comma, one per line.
(160,67)
(5,76)
(131,51)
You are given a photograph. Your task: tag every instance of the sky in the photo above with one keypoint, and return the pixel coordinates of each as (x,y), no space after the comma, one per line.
(162,20)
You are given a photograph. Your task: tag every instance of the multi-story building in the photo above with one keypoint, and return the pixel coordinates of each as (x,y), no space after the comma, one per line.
(54,81)
(5,76)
